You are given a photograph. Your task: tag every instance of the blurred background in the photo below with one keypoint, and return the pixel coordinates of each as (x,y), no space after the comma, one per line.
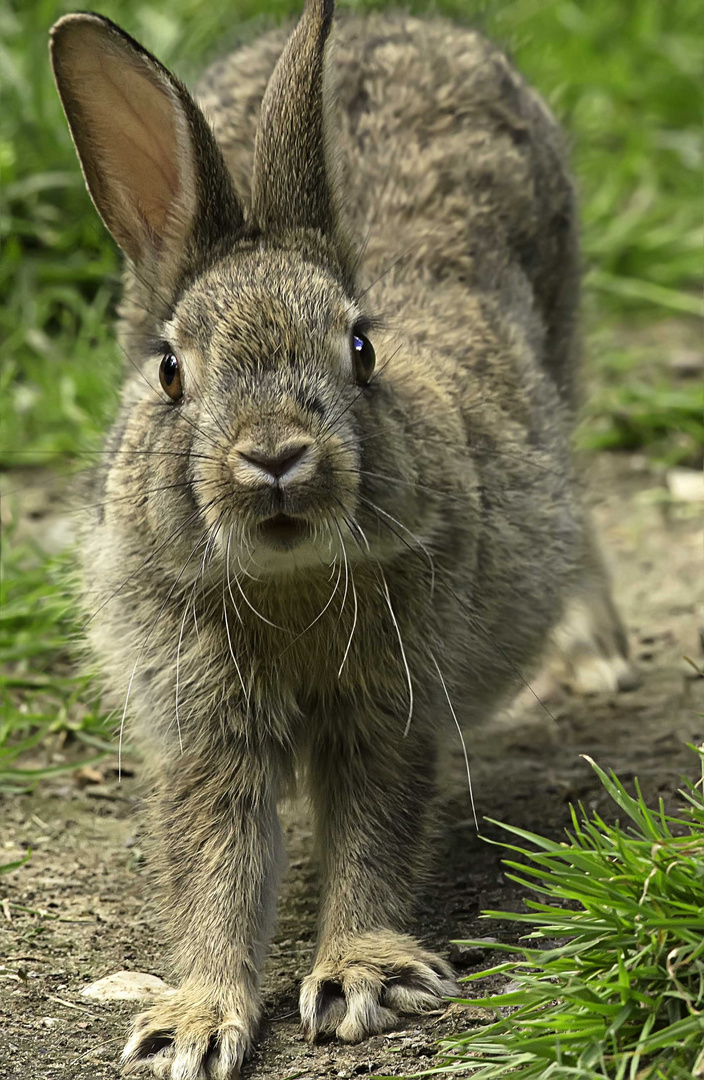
(624,77)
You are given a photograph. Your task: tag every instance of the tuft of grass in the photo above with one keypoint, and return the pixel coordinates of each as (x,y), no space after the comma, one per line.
(8,867)
(42,690)
(668,420)
(620,996)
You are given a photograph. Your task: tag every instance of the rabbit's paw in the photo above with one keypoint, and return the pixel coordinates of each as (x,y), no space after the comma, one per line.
(189,1037)
(373,978)
(592,648)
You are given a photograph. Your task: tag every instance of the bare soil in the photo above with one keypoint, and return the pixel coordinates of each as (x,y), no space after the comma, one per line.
(86,883)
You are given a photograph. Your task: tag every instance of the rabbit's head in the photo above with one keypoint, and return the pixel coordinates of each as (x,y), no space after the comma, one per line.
(253,400)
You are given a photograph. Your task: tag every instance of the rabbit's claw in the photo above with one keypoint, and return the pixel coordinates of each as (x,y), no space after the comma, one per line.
(378,976)
(183,1038)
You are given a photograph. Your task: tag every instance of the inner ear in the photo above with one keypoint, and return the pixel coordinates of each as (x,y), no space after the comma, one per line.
(135,128)
(145,151)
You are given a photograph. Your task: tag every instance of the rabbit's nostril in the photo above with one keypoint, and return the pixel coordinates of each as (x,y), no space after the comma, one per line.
(277,464)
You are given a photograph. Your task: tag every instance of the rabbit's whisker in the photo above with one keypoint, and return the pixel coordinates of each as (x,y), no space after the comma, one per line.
(195,615)
(333,423)
(210,547)
(474,621)
(390,267)
(352,523)
(384,432)
(404,658)
(245,542)
(71,474)
(151,288)
(175,532)
(227,624)
(142,492)
(251,607)
(176,412)
(349,573)
(414,536)
(333,564)
(459,732)
(408,483)
(180,637)
(353,526)
(218,420)
(320,613)
(146,641)
(111,451)
(477,449)
(344,556)
(189,600)
(227,574)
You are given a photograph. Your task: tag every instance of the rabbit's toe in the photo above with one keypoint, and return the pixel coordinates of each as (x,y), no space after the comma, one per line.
(374,978)
(180,1039)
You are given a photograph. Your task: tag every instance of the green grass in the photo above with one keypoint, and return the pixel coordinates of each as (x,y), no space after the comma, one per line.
(624,77)
(620,994)
(42,691)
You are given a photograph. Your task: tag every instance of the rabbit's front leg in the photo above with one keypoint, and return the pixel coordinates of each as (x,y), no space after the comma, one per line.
(217,848)
(371,796)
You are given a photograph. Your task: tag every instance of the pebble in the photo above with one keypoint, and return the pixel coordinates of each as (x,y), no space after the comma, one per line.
(126,986)
(686,362)
(686,485)
(467,955)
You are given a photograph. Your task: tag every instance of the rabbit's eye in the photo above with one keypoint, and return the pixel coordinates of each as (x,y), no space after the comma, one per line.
(364,358)
(170,376)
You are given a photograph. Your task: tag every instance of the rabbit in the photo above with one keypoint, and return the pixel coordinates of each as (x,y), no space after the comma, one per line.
(338,507)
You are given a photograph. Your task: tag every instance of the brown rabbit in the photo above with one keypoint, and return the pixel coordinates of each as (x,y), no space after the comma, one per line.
(352,491)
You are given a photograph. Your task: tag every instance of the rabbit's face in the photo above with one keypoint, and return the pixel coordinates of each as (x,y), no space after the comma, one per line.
(278,445)
(271,385)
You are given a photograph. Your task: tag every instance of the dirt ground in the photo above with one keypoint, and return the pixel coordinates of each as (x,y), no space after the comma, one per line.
(86,882)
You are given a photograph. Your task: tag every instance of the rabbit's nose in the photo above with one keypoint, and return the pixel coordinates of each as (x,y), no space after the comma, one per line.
(278,463)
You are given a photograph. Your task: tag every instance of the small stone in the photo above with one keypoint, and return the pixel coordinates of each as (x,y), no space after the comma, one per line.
(126,986)
(465,1010)
(88,775)
(686,485)
(686,362)
(467,955)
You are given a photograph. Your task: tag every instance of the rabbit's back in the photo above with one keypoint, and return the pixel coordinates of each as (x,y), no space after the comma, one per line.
(451,166)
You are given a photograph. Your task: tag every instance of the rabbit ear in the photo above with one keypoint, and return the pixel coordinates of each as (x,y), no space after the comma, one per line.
(150,161)
(290,181)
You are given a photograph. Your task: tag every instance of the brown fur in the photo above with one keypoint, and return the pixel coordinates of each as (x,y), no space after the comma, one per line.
(414,186)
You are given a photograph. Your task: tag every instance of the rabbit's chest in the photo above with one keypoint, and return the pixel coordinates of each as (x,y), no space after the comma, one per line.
(338,645)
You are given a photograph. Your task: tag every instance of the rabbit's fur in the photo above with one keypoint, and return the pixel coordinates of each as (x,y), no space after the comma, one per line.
(414,190)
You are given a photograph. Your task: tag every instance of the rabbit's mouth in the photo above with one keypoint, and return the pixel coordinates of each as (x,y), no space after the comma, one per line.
(282,531)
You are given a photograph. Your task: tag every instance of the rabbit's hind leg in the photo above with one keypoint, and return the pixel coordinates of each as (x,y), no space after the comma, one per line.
(591,652)
(588,652)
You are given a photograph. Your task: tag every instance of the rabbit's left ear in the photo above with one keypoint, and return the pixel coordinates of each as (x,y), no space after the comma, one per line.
(290,181)
(151,163)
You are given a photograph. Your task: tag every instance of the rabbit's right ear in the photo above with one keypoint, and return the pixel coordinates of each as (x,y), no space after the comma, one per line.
(150,161)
